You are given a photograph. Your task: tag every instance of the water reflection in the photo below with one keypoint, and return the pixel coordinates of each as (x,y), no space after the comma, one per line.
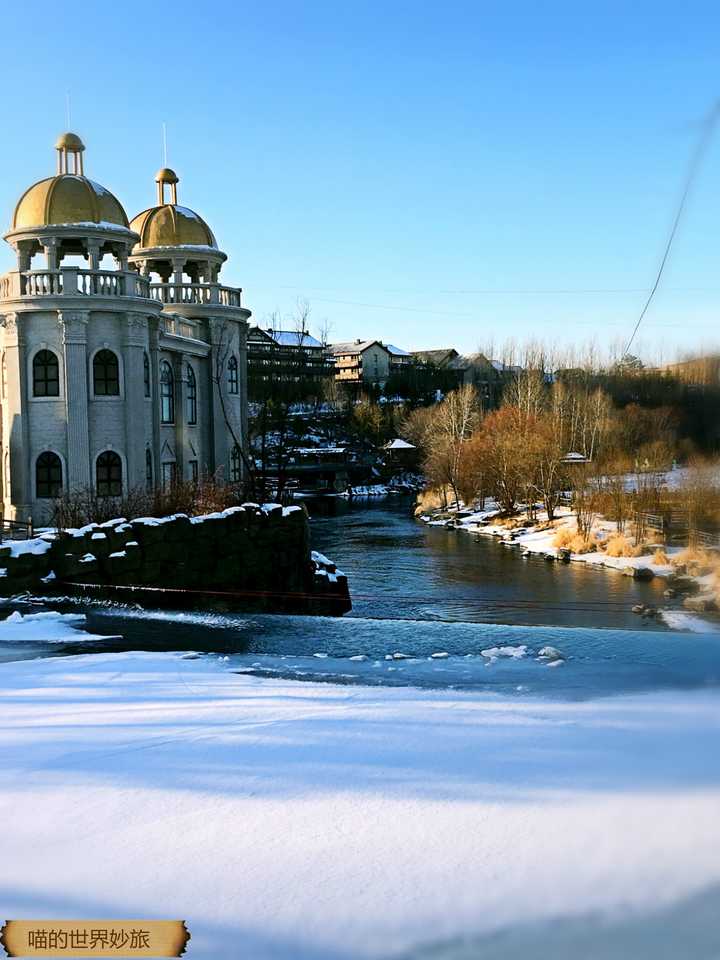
(399,567)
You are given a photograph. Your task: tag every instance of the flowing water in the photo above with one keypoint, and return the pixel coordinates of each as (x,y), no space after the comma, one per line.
(433,607)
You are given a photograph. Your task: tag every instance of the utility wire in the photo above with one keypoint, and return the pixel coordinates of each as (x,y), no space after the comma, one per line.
(702,146)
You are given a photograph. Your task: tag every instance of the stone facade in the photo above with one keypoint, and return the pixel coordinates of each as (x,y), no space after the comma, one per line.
(119,378)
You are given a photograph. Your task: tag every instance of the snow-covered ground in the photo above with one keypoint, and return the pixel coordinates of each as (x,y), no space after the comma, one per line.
(301,821)
(539,538)
(368,490)
(44,627)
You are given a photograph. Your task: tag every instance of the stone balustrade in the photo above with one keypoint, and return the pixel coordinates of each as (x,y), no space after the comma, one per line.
(73,282)
(179,327)
(196,293)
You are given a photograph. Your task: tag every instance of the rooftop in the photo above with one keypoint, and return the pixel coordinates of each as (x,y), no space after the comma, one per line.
(293,338)
(353,346)
(444,355)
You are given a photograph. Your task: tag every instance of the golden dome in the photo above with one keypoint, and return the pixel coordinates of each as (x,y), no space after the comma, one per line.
(166,175)
(171,226)
(69,141)
(67,198)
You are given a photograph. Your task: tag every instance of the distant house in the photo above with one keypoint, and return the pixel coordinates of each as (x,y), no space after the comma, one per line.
(401,454)
(436,358)
(399,358)
(361,362)
(289,357)
(483,374)
(698,371)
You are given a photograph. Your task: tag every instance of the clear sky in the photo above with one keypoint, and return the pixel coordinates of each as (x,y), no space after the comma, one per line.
(430,174)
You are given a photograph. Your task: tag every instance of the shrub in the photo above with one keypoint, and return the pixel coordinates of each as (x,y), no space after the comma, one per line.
(618,545)
(699,562)
(432,498)
(564,536)
(83,506)
(569,539)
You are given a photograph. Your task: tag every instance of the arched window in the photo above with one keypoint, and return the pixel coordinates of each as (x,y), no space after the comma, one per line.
(146,374)
(191,396)
(167,393)
(48,476)
(46,374)
(233,377)
(148,469)
(106,374)
(108,475)
(235,467)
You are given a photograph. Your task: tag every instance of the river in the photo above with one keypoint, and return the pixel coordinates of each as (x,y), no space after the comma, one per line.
(433,607)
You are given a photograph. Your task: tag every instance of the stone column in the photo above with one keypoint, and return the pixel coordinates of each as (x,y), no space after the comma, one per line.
(224,407)
(93,247)
(242,362)
(24,254)
(154,342)
(179,372)
(178,266)
(133,350)
(74,336)
(50,248)
(18,498)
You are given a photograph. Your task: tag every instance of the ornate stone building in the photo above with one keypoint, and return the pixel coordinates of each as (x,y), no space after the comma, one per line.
(123,358)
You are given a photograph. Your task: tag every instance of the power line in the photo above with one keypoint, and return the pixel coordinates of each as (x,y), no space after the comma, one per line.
(703,143)
(491,291)
(393,598)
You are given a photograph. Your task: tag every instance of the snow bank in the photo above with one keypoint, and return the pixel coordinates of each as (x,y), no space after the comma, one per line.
(368,490)
(539,540)
(680,620)
(309,821)
(37,546)
(46,627)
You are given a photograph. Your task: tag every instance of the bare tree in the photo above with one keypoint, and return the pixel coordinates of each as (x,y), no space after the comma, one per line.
(453,422)
(324,327)
(300,318)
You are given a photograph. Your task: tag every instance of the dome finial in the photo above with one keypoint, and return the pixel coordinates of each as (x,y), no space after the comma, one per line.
(166,176)
(70,145)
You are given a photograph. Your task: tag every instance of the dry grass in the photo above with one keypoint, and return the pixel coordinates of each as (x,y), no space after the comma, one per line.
(569,539)
(428,500)
(564,536)
(699,562)
(691,555)
(618,545)
(661,558)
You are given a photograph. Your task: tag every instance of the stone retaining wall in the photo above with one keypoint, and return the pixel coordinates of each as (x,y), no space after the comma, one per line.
(252,555)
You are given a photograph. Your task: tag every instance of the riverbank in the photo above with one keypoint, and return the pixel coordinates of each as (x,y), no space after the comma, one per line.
(689,575)
(320,822)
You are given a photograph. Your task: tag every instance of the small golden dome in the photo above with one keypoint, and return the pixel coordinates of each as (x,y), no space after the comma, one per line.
(69,141)
(171,226)
(166,175)
(67,198)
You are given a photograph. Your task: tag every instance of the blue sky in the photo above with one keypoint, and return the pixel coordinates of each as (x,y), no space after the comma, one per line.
(429,174)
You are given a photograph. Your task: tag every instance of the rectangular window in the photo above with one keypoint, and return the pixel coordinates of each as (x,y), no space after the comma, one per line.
(194,472)
(168,475)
